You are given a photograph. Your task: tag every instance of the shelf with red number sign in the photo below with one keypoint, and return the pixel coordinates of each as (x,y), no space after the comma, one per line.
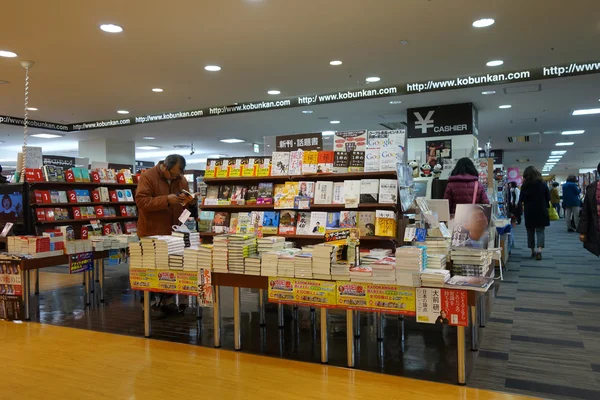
(70,221)
(109,203)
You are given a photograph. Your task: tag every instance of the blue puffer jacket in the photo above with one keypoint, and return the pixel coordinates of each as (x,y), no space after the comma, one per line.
(571,194)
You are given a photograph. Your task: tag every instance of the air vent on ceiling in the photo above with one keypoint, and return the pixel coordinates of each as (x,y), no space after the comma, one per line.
(523,89)
(518,139)
(181,146)
(521,121)
(523,160)
(323,118)
(394,125)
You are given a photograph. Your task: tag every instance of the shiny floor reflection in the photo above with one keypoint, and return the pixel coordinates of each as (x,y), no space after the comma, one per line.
(407,349)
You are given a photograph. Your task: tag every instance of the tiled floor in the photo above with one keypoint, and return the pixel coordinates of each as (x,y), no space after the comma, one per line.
(543,336)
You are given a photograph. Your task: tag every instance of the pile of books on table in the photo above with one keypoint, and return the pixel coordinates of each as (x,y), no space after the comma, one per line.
(303,266)
(268,263)
(471,262)
(436,261)
(285,265)
(220,254)
(136,255)
(166,246)
(322,258)
(190,239)
(240,246)
(272,243)
(148,253)
(435,245)
(359,273)
(435,277)
(190,259)
(384,270)
(252,265)
(340,271)
(205,256)
(410,262)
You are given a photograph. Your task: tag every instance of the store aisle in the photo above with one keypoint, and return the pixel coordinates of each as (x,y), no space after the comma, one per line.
(39,362)
(543,337)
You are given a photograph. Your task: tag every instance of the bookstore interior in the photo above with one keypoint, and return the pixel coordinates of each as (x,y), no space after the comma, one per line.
(336,223)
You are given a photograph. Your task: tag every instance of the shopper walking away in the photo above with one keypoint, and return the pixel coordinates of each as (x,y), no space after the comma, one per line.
(463,185)
(535,198)
(160,202)
(590,219)
(571,201)
(555,197)
(514,208)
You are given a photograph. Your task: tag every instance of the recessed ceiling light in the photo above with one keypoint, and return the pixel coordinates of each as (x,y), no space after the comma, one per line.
(395,102)
(505,106)
(484,22)
(32,109)
(565,144)
(373,79)
(111,28)
(328,133)
(274,92)
(558,152)
(576,132)
(123,112)
(334,122)
(157,90)
(212,68)
(489,92)
(335,62)
(47,135)
(217,155)
(307,111)
(149,137)
(404,42)
(7,54)
(148,147)
(587,111)
(494,63)
(555,158)
(232,140)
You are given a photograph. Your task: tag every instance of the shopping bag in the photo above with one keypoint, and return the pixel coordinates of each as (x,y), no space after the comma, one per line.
(553,214)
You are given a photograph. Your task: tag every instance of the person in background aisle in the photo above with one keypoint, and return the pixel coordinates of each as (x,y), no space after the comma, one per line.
(555,197)
(535,198)
(514,208)
(160,201)
(462,184)
(571,201)
(589,222)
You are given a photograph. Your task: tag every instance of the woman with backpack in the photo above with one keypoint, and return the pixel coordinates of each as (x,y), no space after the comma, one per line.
(535,198)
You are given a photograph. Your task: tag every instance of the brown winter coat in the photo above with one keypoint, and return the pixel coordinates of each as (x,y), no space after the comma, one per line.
(156,216)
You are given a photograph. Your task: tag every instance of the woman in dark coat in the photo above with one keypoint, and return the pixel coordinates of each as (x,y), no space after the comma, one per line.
(535,198)
(463,182)
(588,220)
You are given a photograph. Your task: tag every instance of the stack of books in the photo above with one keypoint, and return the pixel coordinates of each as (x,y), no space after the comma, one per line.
(176,262)
(285,265)
(303,266)
(268,265)
(252,265)
(436,245)
(240,246)
(148,252)
(436,261)
(340,271)
(165,246)
(323,256)
(273,243)
(410,261)
(190,259)
(78,246)
(136,255)
(471,262)
(205,256)
(384,270)
(220,254)
(359,273)
(435,277)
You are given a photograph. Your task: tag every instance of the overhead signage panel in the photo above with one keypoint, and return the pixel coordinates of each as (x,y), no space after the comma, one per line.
(501,78)
(446,120)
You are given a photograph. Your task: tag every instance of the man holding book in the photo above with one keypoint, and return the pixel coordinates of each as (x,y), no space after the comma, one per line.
(161,197)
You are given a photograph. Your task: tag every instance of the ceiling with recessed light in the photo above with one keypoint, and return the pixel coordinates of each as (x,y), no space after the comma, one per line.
(199,55)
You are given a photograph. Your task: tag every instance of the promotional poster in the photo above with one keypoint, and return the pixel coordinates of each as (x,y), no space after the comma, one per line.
(471,226)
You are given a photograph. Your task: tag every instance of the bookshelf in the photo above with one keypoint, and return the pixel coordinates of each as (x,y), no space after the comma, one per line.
(302,239)
(83,220)
(105,203)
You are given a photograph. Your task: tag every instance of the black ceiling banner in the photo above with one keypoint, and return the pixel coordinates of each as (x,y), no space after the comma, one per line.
(497,155)
(446,120)
(304,141)
(436,85)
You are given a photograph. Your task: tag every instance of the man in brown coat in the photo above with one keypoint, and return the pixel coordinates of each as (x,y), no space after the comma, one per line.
(160,202)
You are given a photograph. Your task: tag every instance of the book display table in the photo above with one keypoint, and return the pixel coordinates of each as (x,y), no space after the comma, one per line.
(463,308)
(26,265)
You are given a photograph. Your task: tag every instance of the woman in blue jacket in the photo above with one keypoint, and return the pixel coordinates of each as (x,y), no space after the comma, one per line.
(571,201)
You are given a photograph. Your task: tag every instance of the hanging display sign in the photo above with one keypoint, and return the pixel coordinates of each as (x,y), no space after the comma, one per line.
(141,165)
(442,307)
(164,281)
(305,141)
(58,161)
(81,262)
(497,155)
(446,120)
(11,300)
(501,78)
